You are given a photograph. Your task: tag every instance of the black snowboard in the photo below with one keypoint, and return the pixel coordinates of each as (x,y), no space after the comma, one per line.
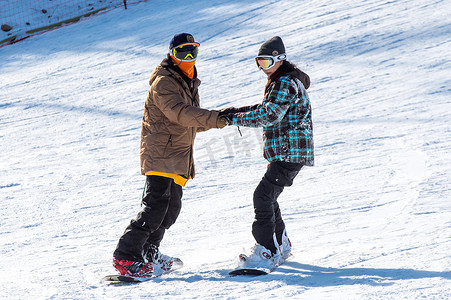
(123,279)
(247,272)
(256,271)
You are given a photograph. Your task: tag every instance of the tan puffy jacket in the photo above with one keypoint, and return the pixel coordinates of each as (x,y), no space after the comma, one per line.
(171,119)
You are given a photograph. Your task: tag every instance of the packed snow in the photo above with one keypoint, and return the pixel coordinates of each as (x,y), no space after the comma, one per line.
(371,220)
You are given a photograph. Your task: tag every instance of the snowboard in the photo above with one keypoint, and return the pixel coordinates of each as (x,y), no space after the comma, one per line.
(248,272)
(256,271)
(177,264)
(124,279)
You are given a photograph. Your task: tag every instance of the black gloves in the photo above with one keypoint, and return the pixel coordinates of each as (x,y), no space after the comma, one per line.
(229,110)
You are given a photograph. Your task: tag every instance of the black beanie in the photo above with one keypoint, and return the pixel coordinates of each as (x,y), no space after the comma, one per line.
(273,47)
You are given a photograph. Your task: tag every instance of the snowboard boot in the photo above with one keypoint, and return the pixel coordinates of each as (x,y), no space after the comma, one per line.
(133,268)
(260,257)
(160,260)
(285,248)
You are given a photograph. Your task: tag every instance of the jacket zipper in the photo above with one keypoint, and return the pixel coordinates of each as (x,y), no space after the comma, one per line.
(193,102)
(190,154)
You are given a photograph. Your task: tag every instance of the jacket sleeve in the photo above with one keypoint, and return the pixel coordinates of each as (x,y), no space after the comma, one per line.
(273,108)
(168,99)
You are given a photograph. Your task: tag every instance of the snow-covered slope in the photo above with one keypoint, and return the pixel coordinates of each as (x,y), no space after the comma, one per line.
(370,221)
(27,16)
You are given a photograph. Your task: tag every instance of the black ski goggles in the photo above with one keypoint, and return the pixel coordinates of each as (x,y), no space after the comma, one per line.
(185,52)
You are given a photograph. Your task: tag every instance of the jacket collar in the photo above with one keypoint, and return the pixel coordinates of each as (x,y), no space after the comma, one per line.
(287,68)
(169,65)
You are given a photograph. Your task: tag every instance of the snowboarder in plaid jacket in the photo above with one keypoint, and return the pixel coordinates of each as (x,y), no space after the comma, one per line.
(286,117)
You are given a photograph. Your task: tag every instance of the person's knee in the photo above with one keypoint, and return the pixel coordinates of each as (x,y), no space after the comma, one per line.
(282,173)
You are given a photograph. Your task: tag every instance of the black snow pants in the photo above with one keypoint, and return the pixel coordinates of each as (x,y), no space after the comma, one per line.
(162,204)
(268,219)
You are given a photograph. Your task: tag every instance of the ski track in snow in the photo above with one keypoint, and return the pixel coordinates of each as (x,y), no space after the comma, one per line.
(370,221)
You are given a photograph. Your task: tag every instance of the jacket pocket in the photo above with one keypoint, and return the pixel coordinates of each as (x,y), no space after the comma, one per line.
(156,145)
(168,144)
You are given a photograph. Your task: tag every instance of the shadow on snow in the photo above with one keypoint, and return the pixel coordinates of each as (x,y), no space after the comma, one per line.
(293,273)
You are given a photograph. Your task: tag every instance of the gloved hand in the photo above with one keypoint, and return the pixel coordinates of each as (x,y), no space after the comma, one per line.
(223,121)
(228,110)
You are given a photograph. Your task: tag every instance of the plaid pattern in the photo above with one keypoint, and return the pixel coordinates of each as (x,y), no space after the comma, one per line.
(286,117)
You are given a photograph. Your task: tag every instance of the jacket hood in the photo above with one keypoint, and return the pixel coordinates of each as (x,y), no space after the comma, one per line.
(288,68)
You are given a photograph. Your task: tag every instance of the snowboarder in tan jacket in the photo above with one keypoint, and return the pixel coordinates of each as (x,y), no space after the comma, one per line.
(172,117)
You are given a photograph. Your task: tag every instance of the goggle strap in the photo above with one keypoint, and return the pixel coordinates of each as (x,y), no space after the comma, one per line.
(276,58)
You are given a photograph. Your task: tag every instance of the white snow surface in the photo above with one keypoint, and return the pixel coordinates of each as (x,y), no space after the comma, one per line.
(371,220)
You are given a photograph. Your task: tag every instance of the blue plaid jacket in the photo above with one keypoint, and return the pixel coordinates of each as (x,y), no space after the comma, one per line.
(286,117)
